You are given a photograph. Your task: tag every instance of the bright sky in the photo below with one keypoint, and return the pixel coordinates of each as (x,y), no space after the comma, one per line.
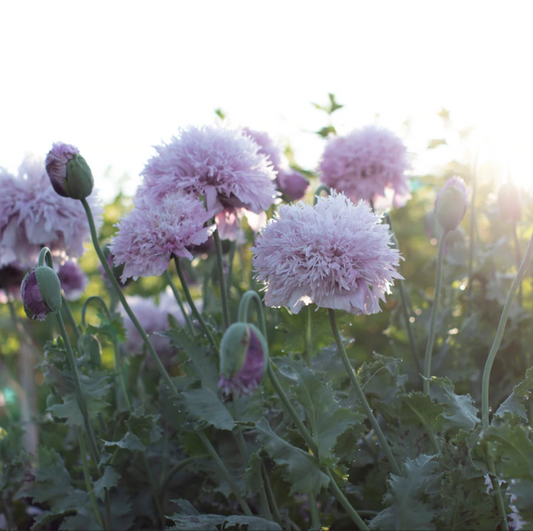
(117,77)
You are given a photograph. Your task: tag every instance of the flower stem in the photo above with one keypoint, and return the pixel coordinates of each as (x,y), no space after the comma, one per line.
(70,317)
(499,499)
(405,303)
(361,395)
(227,476)
(518,259)
(221,280)
(434,310)
(499,333)
(270,494)
(177,296)
(88,486)
(231,259)
(308,336)
(472,233)
(79,394)
(175,469)
(194,310)
(319,190)
(315,517)
(162,371)
(345,503)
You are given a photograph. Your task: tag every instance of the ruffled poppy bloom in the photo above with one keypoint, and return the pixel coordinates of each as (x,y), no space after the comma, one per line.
(367,164)
(154,231)
(291,183)
(33,215)
(221,165)
(336,255)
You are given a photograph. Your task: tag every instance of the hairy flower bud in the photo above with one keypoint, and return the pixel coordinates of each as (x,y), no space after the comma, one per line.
(242,359)
(41,293)
(451,202)
(69,173)
(90,346)
(509,203)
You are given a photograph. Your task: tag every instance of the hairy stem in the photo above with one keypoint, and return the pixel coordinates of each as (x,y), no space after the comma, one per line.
(434,310)
(361,395)
(177,296)
(221,280)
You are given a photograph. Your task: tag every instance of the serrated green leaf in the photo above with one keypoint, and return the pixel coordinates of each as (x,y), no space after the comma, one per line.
(459,410)
(419,409)
(143,430)
(408,510)
(113,328)
(216,522)
(314,391)
(302,471)
(108,480)
(514,403)
(204,405)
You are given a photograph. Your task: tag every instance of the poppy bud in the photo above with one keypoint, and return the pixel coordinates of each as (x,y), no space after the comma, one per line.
(509,202)
(90,346)
(41,293)
(69,173)
(451,202)
(291,184)
(242,359)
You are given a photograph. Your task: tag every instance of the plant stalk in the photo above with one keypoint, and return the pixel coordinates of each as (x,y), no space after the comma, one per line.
(177,296)
(222,281)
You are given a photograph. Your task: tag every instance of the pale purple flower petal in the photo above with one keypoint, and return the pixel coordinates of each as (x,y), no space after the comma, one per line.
(218,163)
(33,215)
(154,231)
(336,255)
(56,165)
(365,164)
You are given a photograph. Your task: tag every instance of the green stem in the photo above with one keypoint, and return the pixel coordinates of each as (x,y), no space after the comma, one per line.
(244,306)
(87,477)
(270,494)
(70,317)
(404,297)
(496,485)
(79,394)
(434,310)
(319,190)
(518,259)
(308,336)
(231,259)
(120,373)
(221,280)
(361,395)
(162,371)
(177,296)
(347,506)
(499,333)
(175,469)
(153,488)
(194,310)
(315,518)
(227,476)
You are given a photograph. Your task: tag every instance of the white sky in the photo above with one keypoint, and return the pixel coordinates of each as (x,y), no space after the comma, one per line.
(116,77)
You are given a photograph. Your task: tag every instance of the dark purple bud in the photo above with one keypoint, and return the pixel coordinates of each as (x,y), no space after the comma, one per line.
(73,280)
(34,306)
(242,359)
(69,173)
(291,184)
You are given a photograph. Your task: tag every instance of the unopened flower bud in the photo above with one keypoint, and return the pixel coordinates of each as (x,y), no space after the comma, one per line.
(69,173)
(292,184)
(242,359)
(451,202)
(509,202)
(41,293)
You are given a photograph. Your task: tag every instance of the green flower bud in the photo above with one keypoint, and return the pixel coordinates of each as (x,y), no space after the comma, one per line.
(90,347)
(80,181)
(451,202)
(49,287)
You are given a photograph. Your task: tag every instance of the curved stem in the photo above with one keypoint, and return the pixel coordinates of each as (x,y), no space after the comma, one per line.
(405,303)
(227,476)
(499,333)
(434,310)
(358,521)
(162,371)
(70,316)
(319,190)
(194,310)
(79,394)
(361,395)
(221,280)
(177,296)
(45,258)
(244,309)
(101,303)
(88,485)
